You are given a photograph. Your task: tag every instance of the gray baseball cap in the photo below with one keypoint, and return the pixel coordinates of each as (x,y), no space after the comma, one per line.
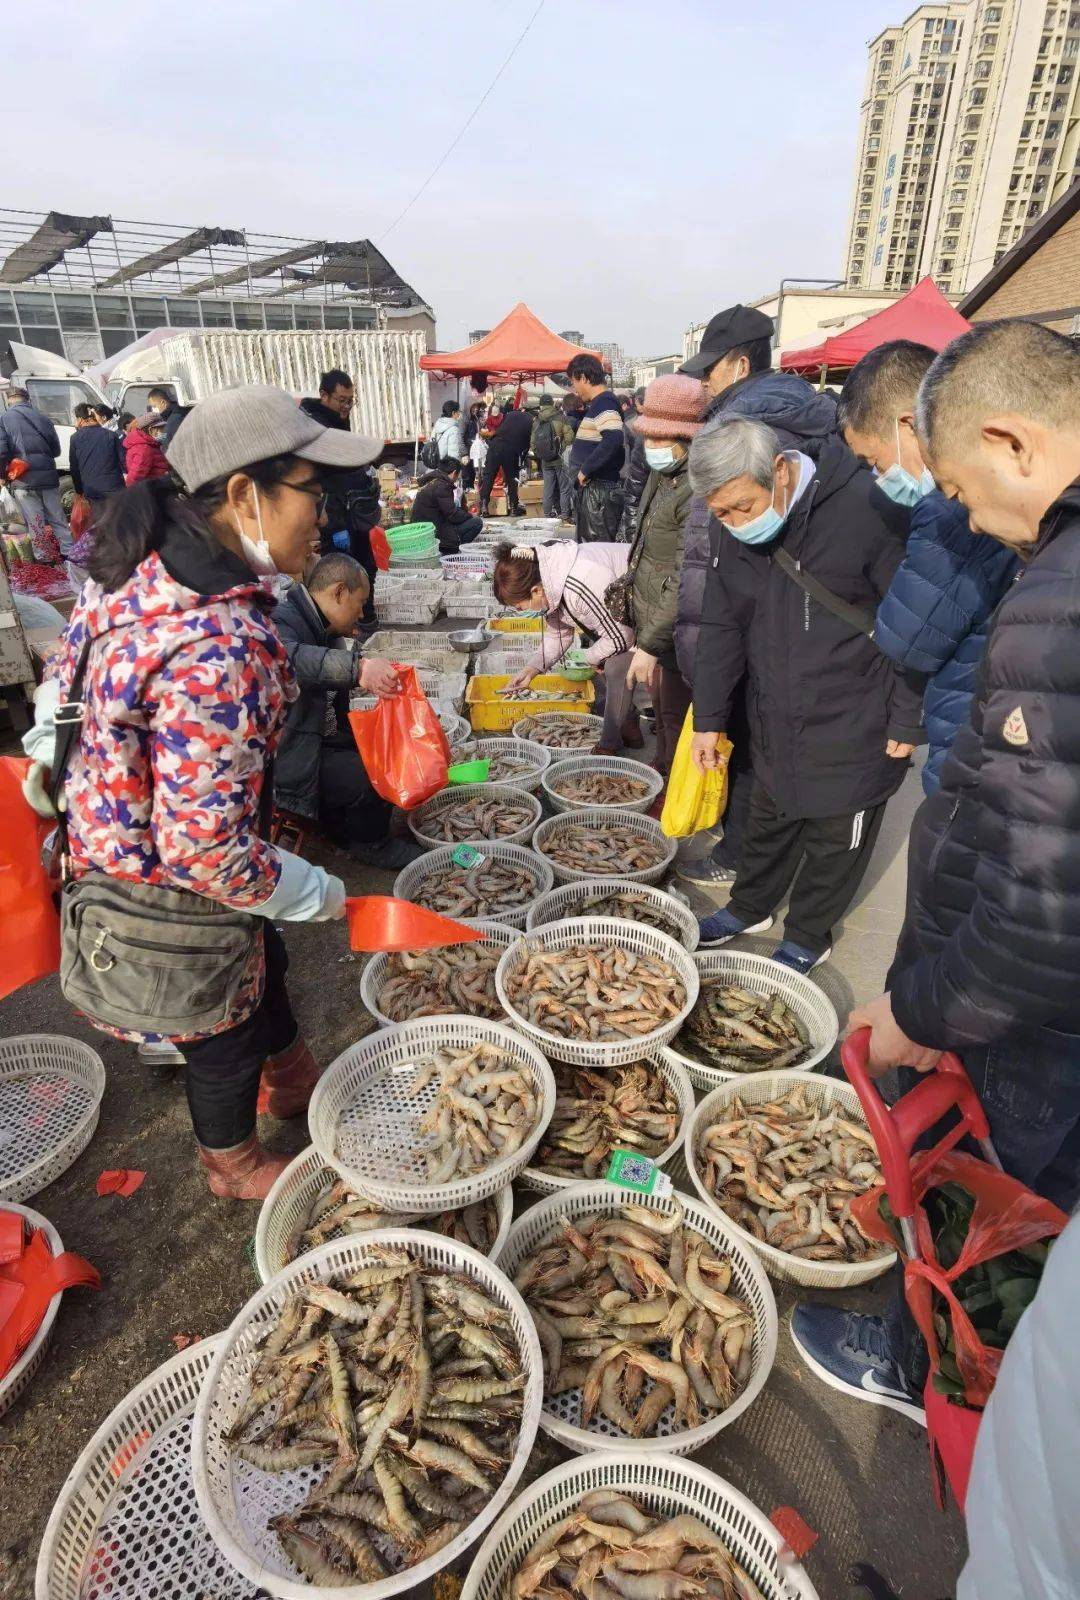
(231,430)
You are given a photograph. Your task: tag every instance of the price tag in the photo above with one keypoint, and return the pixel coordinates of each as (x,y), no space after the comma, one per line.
(632,1171)
(466,856)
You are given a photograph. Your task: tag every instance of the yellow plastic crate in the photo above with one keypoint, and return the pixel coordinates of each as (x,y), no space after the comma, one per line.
(517,624)
(489,712)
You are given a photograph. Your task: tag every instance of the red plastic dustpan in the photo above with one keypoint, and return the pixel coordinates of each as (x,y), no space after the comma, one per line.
(379,922)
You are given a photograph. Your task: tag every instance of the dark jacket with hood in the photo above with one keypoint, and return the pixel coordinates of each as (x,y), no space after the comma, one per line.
(352,495)
(172,416)
(323,672)
(96,462)
(435,503)
(26,434)
(935,618)
(802,419)
(665,506)
(992,929)
(511,444)
(822,700)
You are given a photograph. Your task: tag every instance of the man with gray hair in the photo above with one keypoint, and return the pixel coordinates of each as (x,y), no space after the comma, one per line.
(989,954)
(803,561)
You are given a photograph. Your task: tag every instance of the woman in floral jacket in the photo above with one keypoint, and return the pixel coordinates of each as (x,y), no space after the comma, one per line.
(185,689)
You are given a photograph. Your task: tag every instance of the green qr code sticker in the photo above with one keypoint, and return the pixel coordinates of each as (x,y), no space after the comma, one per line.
(632,1171)
(466,856)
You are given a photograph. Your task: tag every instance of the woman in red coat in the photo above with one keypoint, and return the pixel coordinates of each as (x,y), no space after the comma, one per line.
(143,455)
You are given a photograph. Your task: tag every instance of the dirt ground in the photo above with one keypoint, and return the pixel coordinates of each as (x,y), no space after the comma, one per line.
(174,1260)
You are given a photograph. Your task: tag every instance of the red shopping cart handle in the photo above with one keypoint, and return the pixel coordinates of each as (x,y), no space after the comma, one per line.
(897,1130)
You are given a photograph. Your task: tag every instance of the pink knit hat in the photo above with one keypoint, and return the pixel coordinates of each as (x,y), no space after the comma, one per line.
(673,407)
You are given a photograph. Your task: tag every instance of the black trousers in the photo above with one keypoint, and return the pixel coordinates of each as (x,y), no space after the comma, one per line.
(349,809)
(222,1075)
(511,465)
(740,776)
(826,857)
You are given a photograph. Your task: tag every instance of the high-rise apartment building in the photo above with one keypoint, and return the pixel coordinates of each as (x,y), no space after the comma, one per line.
(969,130)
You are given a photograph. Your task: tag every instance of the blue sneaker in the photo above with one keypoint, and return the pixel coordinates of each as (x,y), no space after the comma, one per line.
(798,958)
(723,926)
(850,1352)
(705,870)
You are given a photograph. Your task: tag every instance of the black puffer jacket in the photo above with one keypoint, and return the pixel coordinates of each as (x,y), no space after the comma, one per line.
(352,494)
(323,672)
(994,895)
(435,503)
(802,419)
(822,700)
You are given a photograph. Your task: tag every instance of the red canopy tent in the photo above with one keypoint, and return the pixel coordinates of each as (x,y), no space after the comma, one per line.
(521,346)
(923,315)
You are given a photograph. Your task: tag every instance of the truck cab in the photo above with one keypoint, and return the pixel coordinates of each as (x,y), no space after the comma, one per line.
(55,388)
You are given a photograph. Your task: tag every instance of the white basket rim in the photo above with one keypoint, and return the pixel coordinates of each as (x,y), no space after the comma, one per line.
(566,893)
(599,1195)
(499,933)
(792,1579)
(765,1085)
(11,1384)
(499,790)
(599,818)
(25,1180)
(581,765)
(306,1270)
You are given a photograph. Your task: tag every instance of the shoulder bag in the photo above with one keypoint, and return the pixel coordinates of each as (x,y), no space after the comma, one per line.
(619,594)
(138,956)
(861,621)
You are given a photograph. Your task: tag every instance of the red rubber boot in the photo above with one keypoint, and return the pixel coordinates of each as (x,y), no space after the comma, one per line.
(246,1172)
(288,1079)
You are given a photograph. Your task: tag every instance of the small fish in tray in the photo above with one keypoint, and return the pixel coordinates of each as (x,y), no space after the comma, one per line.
(337,1212)
(558,733)
(402,1386)
(457,978)
(489,888)
(601,1109)
(478,817)
(605,851)
(739,1031)
(600,993)
(561,693)
(788,1171)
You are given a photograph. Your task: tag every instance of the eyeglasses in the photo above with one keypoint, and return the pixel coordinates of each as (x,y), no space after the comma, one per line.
(313,488)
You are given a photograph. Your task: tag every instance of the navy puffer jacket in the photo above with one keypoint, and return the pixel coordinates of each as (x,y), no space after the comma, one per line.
(26,434)
(991,937)
(936,616)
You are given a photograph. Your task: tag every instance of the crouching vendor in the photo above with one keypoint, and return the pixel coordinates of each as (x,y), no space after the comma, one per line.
(318,772)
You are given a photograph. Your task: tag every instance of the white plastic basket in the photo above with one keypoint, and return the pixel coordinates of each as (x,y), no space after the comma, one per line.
(603,818)
(762,975)
(50,1096)
(468,564)
(755,1089)
(568,900)
(456,728)
(408,885)
(363,1121)
(424,815)
(596,931)
(12,1386)
(468,605)
(497,935)
(615,766)
(561,1417)
(507,660)
(526,727)
(538,754)
(417,649)
(126,1524)
(293,1195)
(237,1501)
(537,1177)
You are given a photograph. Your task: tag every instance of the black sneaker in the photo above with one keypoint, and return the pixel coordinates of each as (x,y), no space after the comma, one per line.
(705,871)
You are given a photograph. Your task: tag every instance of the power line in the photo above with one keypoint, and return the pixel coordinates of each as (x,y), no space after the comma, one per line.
(466,125)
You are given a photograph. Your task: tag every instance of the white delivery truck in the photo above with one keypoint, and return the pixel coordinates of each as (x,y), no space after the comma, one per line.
(392,394)
(55,386)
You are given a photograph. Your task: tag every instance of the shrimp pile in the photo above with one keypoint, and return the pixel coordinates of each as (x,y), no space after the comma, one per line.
(480,816)
(739,1031)
(437,983)
(337,1212)
(600,788)
(601,992)
(403,1386)
(787,1172)
(608,850)
(598,1110)
(635,1311)
(485,1107)
(610,1548)
(489,888)
(558,732)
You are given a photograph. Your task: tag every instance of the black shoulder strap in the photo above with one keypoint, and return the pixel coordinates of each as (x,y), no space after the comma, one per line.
(861,621)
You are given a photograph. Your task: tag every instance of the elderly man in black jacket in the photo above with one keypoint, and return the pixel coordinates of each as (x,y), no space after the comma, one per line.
(318,772)
(988,962)
(802,562)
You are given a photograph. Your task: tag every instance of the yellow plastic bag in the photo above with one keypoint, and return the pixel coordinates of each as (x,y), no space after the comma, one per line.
(694,800)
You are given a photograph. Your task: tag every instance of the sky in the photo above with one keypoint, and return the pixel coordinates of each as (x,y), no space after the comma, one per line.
(639,165)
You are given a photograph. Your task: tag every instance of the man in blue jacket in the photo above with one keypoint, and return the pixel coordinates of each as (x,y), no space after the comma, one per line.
(26,434)
(936,616)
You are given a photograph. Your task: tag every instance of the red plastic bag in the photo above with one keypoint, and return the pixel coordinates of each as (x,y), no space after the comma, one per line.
(28,1283)
(380,548)
(81,516)
(29,925)
(402,745)
(1007,1216)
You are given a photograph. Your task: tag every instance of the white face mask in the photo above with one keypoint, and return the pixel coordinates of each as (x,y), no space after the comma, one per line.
(256,551)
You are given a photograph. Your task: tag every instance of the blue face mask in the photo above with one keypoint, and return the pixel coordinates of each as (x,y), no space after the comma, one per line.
(762,528)
(902,486)
(663,459)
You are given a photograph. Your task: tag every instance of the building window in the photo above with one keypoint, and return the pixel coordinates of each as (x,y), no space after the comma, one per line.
(336,316)
(988,41)
(36,310)
(149,313)
(1025,130)
(217,313)
(279,316)
(76,311)
(945,264)
(309,316)
(184,313)
(248,314)
(993,14)
(982,69)
(1064,75)
(1014,183)
(977,97)
(873,144)
(971,124)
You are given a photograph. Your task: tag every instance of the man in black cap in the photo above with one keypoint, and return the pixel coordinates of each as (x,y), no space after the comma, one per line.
(735,365)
